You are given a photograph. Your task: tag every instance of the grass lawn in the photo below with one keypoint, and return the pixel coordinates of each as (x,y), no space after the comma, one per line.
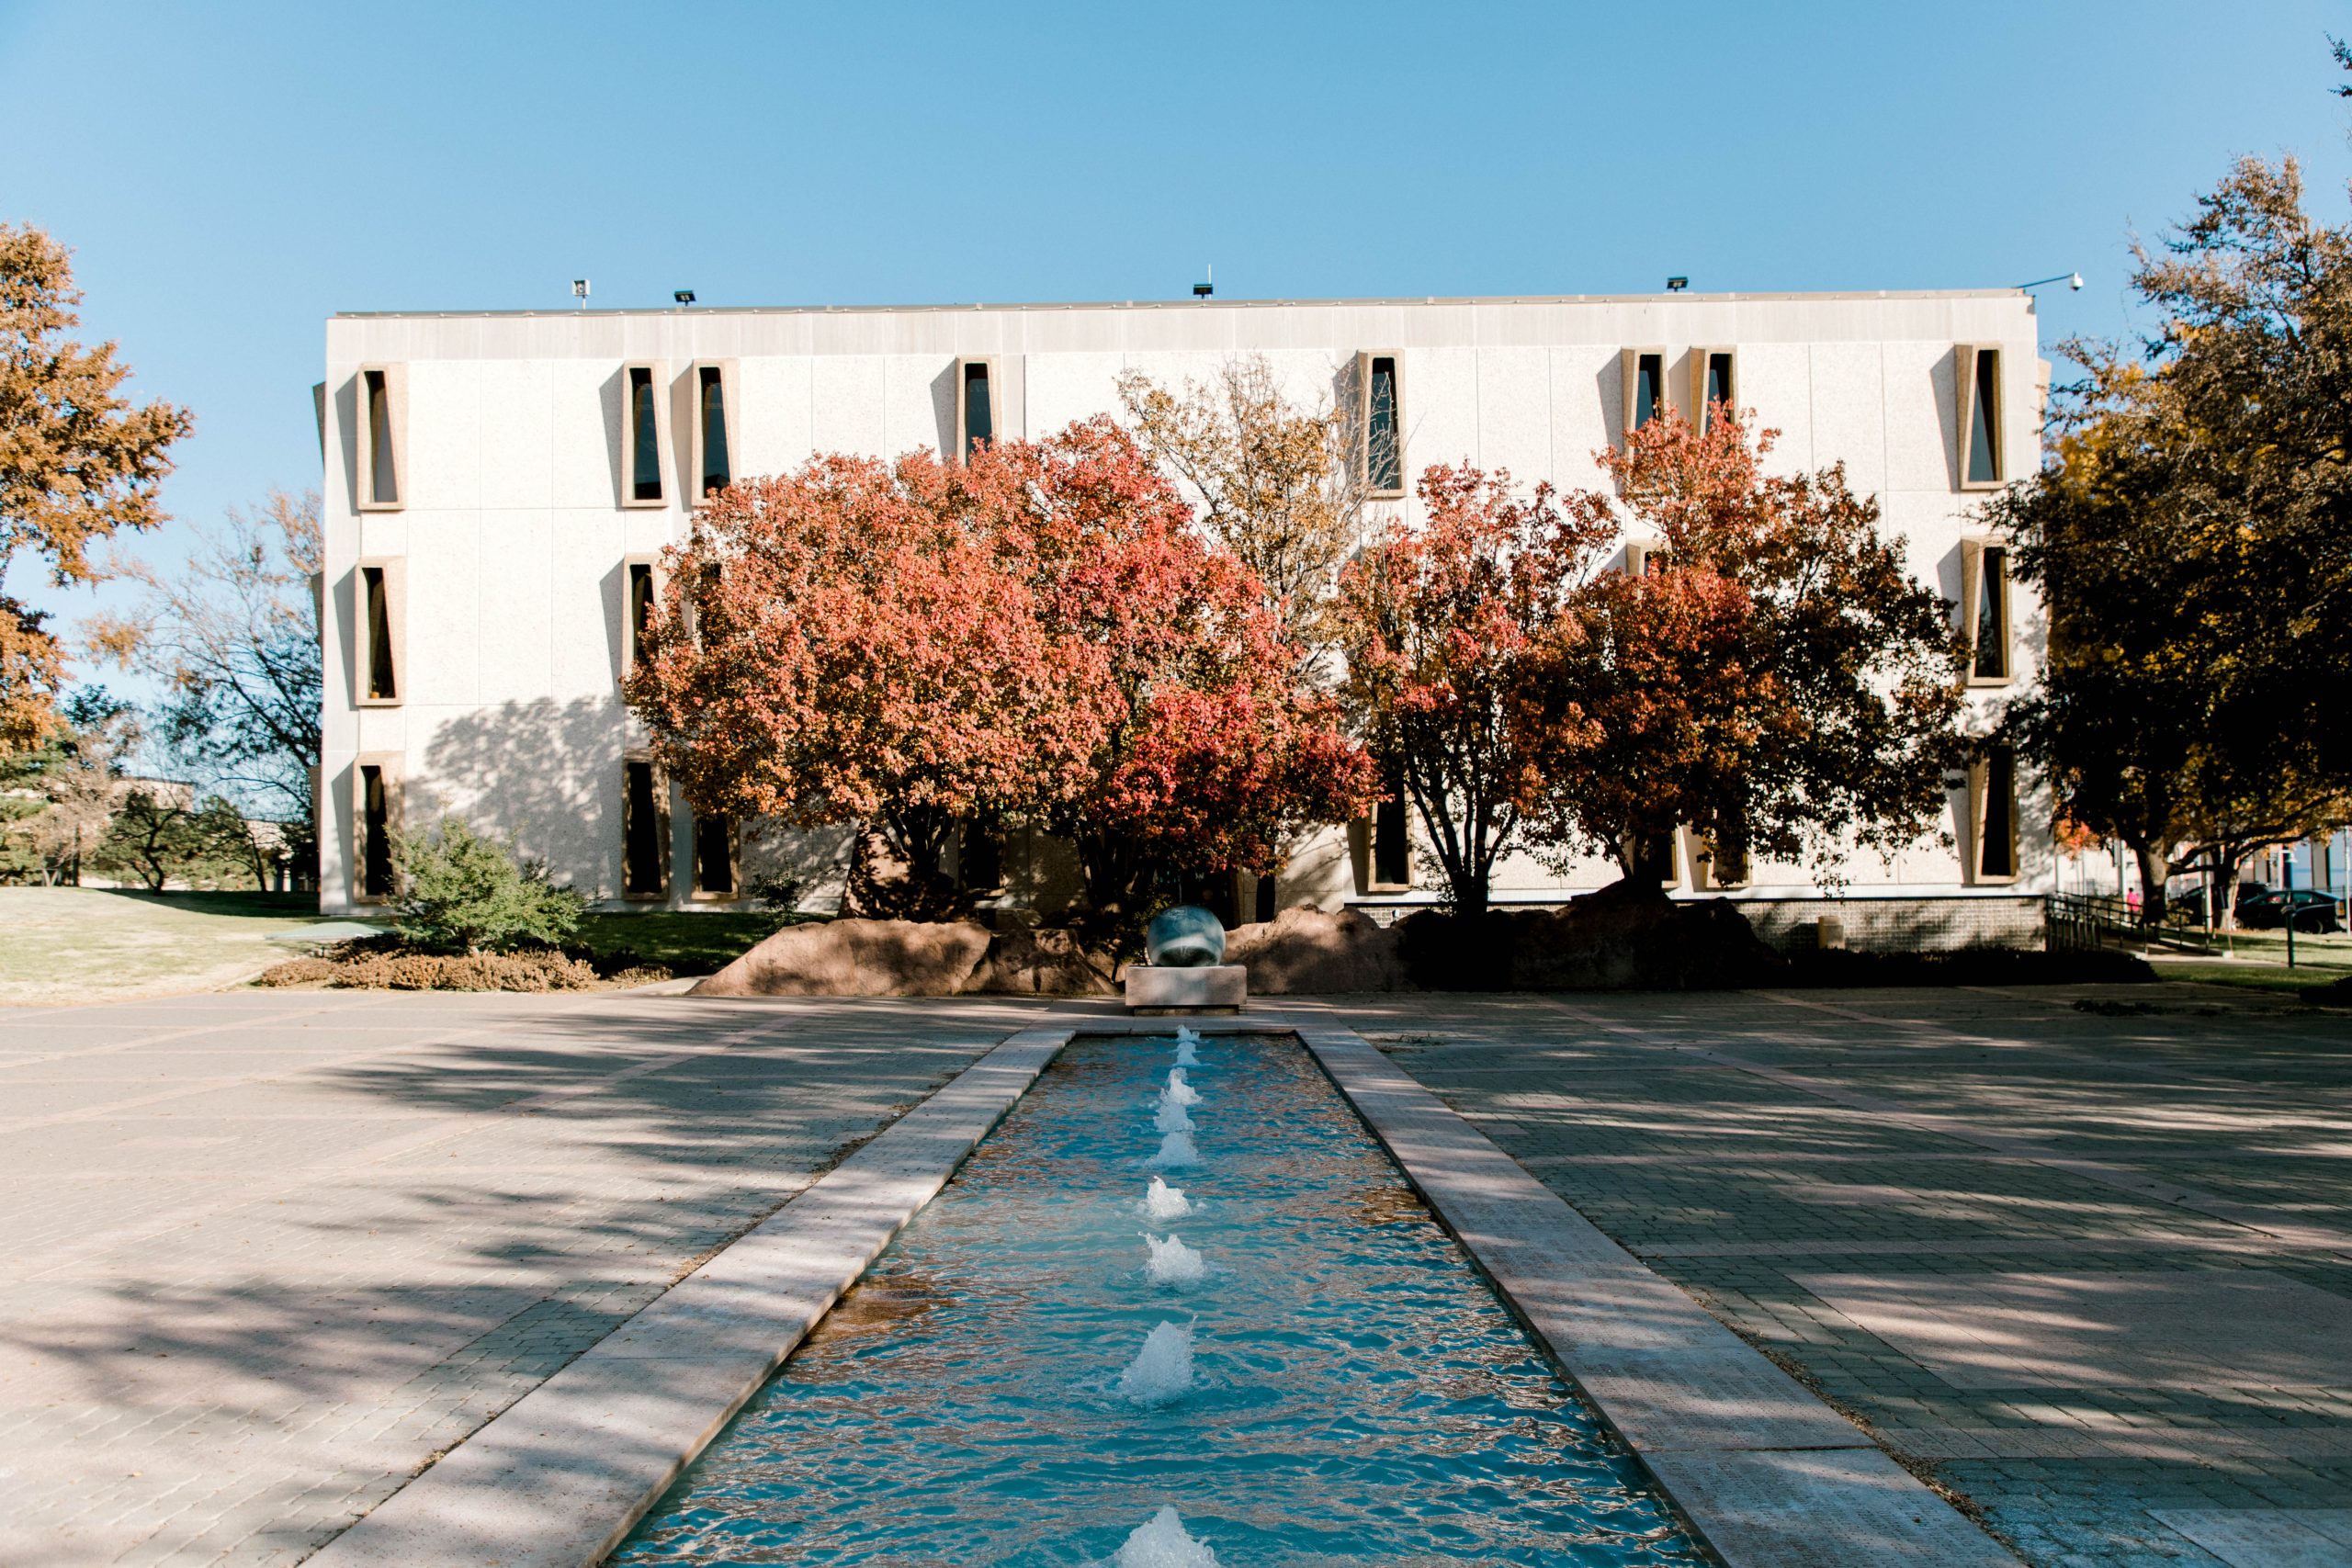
(73,944)
(689,944)
(2260,962)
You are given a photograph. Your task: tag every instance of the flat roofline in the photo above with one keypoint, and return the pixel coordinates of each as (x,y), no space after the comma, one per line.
(1681,297)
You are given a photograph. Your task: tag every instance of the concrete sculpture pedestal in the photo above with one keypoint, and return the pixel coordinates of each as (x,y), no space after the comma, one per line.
(1184,968)
(1203,987)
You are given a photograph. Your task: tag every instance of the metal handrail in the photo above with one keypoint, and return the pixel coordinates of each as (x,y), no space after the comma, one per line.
(2084,922)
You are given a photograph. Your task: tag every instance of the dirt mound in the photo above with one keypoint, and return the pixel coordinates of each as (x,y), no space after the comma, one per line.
(857,958)
(1616,939)
(1044,960)
(1303,952)
(1608,940)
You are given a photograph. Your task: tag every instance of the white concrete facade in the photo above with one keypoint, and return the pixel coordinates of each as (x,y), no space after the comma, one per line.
(503,553)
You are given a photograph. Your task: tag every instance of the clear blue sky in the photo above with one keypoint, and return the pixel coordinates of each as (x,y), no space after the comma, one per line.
(228,175)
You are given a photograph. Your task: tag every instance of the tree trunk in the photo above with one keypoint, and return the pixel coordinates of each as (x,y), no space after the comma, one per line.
(1633,879)
(1468,889)
(1110,871)
(1462,851)
(2226,861)
(919,835)
(2155,872)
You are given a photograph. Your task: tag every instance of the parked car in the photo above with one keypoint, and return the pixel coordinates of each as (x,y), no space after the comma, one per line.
(2313,911)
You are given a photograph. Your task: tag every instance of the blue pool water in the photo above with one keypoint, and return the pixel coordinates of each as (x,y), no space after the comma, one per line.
(1358,1393)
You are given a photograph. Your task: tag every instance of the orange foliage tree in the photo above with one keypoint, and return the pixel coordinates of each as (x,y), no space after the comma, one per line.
(79,463)
(1773,679)
(1439,623)
(858,641)
(1035,635)
(1218,748)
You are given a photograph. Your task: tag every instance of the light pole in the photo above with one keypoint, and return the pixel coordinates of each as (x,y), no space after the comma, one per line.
(2287,896)
(2073,281)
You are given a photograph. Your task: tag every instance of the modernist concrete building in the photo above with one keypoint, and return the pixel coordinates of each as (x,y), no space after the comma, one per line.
(498,486)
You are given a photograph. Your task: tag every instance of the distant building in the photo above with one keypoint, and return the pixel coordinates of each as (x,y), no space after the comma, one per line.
(499,486)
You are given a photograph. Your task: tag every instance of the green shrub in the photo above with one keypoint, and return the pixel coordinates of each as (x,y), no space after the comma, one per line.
(463,893)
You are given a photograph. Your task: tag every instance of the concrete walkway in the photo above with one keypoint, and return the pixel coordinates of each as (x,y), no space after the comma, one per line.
(269,1254)
(2089,1271)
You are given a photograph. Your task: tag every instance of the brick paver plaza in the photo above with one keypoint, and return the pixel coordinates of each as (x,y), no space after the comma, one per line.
(2087,1271)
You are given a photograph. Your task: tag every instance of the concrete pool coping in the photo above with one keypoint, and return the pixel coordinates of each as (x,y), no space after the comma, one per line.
(558,1478)
(1764,1472)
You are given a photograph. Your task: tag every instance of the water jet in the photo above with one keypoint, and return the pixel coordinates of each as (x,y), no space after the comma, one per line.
(1173,1263)
(1161,1202)
(1162,1372)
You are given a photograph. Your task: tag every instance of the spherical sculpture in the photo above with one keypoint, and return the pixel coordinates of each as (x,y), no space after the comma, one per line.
(1186,937)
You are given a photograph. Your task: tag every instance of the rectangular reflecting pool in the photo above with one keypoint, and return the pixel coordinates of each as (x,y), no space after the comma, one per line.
(1164,1322)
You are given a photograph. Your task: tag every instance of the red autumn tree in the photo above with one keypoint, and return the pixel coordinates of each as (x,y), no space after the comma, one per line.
(1035,635)
(861,641)
(1438,622)
(1774,678)
(1218,748)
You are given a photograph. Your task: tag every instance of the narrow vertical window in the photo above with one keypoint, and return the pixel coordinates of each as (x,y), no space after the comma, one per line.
(1985,428)
(1726,849)
(1383,447)
(375,833)
(1649,370)
(1719,393)
(714,856)
(711,410)
(383,471)
(979,420)
(1977,374)
(1655,859)
(1730,860)
(1641,379)
(383,678)
(1392,858)
(1992,614)
(980,857)
(1996,814)
(378,667)
(640,608)
(1984,601)
(1267,905)
(702,608)
(643,436)
(645,849)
